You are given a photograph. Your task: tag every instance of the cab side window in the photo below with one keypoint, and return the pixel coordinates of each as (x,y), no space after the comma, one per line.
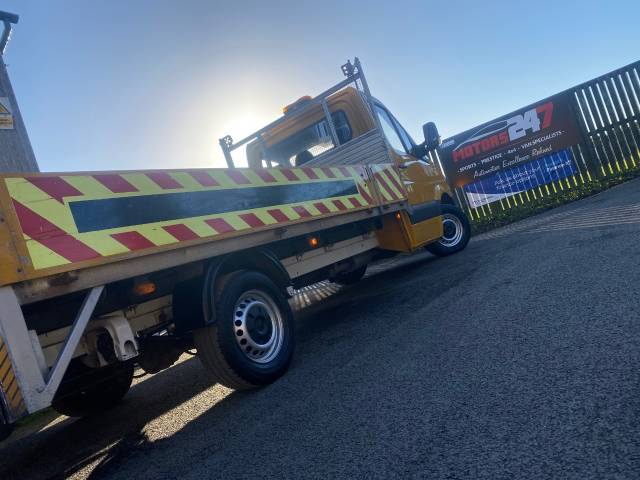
(390,131)
(406,139)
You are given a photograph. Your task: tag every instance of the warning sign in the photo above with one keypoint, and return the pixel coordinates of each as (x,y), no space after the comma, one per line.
(6,114)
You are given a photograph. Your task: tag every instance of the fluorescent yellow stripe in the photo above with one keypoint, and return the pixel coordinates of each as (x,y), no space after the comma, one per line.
(392,174)
(223,179)
(89,186)
(42,204)
(289,212)
(336,172)
(331,206)
(188,182)
(156,234)
(279,176)
(5,368)
(9,393)
(235,221)
(353,172)
(321,175)
(102,242)
(143,183)
(263,215)
(17,400)
(198,226)
(42,257)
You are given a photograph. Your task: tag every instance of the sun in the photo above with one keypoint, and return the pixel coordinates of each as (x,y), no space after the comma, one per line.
(238,127)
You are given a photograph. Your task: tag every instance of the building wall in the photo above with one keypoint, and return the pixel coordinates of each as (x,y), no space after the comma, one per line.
(16,154)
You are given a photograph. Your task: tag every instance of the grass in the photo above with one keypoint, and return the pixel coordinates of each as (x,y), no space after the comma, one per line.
(500,218)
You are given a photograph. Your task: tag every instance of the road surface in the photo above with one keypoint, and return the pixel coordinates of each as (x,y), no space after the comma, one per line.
(517,358)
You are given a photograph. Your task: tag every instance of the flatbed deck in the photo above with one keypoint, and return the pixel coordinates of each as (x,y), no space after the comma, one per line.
(68,232)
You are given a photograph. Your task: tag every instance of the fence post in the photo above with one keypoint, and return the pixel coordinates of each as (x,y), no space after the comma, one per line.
(587,149)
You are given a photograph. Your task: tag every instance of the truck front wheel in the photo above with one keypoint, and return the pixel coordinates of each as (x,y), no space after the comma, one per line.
(93,390)
(456,232)
(251,342)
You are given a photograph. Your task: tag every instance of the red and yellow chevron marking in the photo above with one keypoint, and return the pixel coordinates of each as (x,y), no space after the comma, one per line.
(389,183)
(66,219)
(9,384)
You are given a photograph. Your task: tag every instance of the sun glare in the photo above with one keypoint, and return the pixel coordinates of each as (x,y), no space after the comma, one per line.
(239,126)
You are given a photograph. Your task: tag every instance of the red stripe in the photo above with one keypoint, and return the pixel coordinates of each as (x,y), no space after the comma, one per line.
(252,220)
(339,204)
(308,171)
(55,187)
(322,207)
(238,177)
(203,178)
(220,225)
(365,195)
(278,215)
(300,210)
(115,183)
(265,175)
(328,172)
(393,180)
(164,180)
(133,240)
(181,232)
(52,237)
(345,171)
(354,201)
(290,174)
(384,185)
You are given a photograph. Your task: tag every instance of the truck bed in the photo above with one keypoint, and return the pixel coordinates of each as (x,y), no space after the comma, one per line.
(65,232)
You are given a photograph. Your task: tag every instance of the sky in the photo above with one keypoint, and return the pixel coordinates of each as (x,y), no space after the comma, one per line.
(145,84)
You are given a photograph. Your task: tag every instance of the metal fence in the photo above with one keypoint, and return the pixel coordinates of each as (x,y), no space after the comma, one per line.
(607,110)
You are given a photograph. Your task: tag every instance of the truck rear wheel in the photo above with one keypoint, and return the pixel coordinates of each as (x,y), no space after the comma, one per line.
(95,391)
(251,342)
(456,232)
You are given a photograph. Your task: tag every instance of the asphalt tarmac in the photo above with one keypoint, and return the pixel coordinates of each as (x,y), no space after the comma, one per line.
(517,358)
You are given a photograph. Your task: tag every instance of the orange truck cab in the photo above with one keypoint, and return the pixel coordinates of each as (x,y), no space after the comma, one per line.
(311,130)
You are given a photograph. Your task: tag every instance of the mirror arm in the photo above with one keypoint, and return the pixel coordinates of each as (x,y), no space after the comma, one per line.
(419,150)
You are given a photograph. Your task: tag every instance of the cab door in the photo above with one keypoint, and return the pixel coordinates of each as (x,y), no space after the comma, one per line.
(423,181)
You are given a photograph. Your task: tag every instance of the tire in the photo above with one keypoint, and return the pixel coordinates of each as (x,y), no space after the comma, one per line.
(251,342)
(456,232)
(352,277)
(97,390)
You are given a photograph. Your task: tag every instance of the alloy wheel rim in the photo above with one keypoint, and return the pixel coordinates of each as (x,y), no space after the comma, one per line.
(452,230)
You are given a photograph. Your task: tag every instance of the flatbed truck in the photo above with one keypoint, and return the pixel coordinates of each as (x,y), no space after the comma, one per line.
(104,272)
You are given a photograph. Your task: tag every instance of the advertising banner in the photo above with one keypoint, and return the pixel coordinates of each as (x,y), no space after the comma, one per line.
(510,141)
(506,183)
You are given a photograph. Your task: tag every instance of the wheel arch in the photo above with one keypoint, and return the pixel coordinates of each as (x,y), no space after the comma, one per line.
(447,199)
(194,300)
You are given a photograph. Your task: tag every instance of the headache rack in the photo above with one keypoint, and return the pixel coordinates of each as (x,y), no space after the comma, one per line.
(365,149)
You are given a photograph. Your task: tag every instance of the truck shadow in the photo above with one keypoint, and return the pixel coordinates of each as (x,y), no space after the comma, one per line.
(330,322)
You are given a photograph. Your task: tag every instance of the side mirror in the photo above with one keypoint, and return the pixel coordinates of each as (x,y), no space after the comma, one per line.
(431,136)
